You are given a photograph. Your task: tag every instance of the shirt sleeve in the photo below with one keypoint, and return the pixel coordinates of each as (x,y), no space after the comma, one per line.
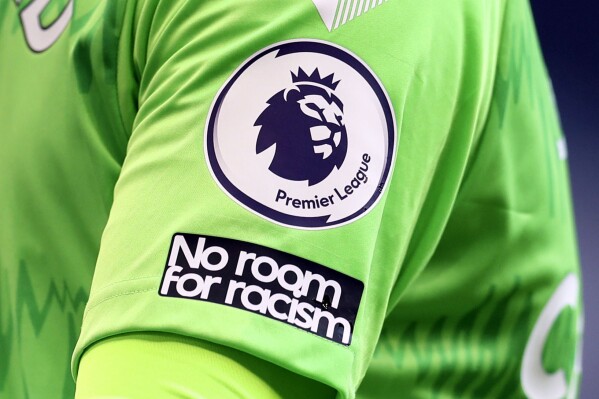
(267,202)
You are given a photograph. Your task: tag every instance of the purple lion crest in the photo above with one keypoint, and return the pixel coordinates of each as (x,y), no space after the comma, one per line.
(306,124)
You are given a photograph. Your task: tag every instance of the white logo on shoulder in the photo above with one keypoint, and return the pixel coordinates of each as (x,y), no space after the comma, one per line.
(39,37)
(302,134)
(338,12)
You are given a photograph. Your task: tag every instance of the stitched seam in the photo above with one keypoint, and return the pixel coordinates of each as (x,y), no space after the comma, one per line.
(116,74)
(103,288)
(89,309)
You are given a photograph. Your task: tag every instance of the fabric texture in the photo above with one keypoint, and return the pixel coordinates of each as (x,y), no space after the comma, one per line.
(114,118)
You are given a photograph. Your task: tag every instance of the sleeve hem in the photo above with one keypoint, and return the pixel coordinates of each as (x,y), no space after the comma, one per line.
(135,306)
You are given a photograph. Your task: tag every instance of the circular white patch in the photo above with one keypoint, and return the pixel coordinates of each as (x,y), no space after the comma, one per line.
(302,134)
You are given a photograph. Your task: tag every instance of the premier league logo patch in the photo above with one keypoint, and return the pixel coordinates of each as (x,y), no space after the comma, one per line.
(302,134)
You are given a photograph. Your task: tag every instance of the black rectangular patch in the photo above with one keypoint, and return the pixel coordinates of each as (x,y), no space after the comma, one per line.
(263,280)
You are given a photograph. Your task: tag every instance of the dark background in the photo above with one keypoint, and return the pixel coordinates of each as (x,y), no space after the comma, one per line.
(569,34)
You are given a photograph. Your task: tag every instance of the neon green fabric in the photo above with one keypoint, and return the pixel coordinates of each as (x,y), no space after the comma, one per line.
(154,365)
(467,255)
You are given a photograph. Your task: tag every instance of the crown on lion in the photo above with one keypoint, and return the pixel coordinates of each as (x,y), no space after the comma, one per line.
(314,77)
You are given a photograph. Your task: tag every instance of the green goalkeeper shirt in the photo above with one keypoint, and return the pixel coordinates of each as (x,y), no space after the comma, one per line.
(372,195)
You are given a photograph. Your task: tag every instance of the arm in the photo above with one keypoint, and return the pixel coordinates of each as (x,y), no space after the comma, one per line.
(159,365)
